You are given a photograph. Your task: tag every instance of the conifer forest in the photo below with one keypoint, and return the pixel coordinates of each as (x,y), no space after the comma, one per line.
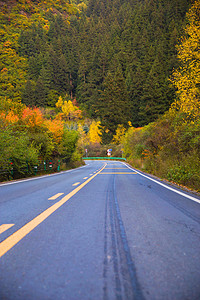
(99,74)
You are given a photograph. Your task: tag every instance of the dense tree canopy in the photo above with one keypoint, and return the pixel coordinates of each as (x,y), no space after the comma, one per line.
(54,48)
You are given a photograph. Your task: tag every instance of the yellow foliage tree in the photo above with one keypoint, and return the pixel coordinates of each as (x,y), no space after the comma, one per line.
(187,77)
(56,127)
(120,132)
(83,137)
(59,103)
(95,132)
(68,108)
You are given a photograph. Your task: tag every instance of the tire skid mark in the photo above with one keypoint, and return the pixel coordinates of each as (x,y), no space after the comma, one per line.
(136,289)
(120,267)
(105,262)
(111,271)
(115,254)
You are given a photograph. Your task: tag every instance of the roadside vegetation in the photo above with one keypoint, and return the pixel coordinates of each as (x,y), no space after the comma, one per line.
(40,140)
(82,77)
(170,147)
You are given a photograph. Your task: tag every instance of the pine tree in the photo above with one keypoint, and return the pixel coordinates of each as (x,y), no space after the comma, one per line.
(40,93)
(113,105)
(28,95)
(76,56)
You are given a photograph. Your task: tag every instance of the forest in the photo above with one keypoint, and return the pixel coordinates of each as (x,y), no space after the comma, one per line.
(90,74)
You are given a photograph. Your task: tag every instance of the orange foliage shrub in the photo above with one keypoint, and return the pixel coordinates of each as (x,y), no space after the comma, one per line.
(11,117)
(56,128)
(3,117)
(32,117)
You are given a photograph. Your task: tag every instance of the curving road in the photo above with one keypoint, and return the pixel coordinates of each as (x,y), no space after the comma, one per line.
(102,231)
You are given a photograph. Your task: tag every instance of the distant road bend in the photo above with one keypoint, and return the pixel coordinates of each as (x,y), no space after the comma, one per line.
(102,231)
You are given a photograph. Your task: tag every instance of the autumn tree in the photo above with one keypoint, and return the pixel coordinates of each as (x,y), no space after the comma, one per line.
(186,78)
(95,132)
(69,110)
(56,127)
(32,118)
(83,137)
(120,132)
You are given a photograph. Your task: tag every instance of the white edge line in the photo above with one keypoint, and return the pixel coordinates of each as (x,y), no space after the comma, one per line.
(39,177)
(167,187)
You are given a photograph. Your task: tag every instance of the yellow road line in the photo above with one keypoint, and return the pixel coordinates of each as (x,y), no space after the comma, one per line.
(5,227)
(116,168)
(85,178)
(55,196)
(118,173)
(17,236)
(77,183)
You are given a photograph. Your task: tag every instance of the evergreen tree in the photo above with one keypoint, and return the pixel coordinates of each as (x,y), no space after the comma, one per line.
(40,93)
(113,105)
(28,95)
(75,57)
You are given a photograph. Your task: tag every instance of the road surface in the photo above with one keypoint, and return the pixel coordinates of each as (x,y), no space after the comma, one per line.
(102,231)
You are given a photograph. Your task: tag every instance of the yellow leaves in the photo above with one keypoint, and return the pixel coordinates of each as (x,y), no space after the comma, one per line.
(69,110)
(93,136)
(187,77)
(56,127)
(80,130)
(130,124)
(83,137)
(95,132)
(59,103)
(120,132)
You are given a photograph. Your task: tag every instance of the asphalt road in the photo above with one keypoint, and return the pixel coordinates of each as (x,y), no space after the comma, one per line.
(102,231)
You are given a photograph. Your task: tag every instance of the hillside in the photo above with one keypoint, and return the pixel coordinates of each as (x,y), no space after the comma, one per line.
(88,73)
(17,17)
(53,48)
